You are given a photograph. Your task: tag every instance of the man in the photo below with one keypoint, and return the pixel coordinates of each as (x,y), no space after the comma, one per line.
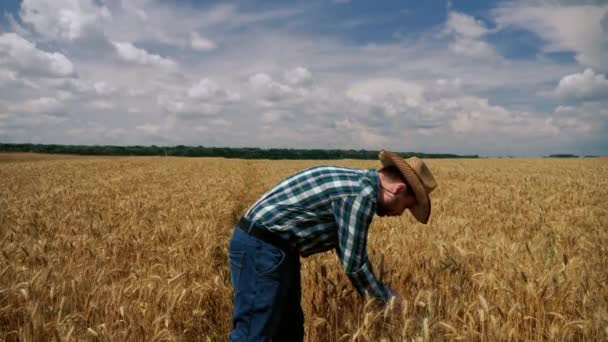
(315,210)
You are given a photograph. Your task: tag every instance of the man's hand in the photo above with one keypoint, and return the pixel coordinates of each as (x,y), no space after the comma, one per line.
(395,305)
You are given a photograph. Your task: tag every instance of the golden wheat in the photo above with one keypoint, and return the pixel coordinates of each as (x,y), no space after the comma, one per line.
(135,249)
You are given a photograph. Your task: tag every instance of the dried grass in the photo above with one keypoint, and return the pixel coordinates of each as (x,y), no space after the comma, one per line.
(136,249)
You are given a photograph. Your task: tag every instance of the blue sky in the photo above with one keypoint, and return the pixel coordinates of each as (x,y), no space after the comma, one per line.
(494,78)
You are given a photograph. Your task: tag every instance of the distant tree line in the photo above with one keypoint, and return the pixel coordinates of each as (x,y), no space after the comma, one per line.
(201,151)
(565,155)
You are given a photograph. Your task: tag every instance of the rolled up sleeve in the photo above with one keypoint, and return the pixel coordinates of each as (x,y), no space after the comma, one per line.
(353,215)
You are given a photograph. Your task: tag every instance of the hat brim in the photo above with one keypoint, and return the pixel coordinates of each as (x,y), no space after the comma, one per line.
(422,210)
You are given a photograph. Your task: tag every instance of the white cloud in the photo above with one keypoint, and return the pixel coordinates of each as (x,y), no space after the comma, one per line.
(205,89)
(448,87)
(103,88)
(355,130)
(269,89)
(299,76)
(203,99)
(186,109)
(583,119)
(220,122)
(132,9)
(475,115)
(465,25)
(472,48)
(585,85)
(13,79)
(149,128)
(42,105)
(582,29)
(276,115)
(198,42)
(260,81)
(445,110)
(16,52)
(392,95)
(272,83)
(73,85)
(128,52)
(208,90)
(468,35)
(63,95)
(30,122)
(63,19)
(101,104)
(295,84)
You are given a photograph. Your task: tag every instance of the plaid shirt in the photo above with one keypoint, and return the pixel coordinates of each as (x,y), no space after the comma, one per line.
(322,208)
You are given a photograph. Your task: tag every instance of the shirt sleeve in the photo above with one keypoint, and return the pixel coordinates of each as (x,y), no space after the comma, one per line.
(353,215)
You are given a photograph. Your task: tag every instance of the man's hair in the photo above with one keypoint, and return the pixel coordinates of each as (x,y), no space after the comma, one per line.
(394,175)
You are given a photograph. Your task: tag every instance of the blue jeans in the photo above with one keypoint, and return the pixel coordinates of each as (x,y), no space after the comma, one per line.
(266,283)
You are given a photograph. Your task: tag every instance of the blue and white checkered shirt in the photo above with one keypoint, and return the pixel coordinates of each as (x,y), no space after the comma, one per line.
(322,208)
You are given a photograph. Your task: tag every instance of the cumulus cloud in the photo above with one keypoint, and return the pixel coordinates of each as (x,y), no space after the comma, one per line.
(24,124)
(13,80)
(582,118)
(63,19)
(149,128)
(582,29)
(294,84)
(185,109)
(42,105)
(268,88)
(276,116)
(447,87)
(465,25)
(298,76)
(103,88)
(392,95)
(101,104)
(220,122)
(128,52)
(468,35)
(208,90)
(361,133)
(204,98)
(275,84)
(198,42)
(475,115)
(587,85)
(32,116)
(443,109)
(22,55)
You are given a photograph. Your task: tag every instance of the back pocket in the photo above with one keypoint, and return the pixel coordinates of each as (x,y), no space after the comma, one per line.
(236,265)
(268,258)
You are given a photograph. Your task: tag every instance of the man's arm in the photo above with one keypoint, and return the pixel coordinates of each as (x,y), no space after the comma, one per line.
(353,215)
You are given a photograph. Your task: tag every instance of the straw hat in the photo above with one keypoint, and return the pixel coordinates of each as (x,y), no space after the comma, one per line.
(419,178)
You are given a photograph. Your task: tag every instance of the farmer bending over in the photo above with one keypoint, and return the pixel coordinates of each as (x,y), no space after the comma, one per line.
(315,210)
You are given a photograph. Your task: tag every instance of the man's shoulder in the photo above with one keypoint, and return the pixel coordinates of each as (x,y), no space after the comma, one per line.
(320,172)
(332,168)
(346,181)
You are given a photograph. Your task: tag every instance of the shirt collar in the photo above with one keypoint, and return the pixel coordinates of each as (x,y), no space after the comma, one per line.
(375,182)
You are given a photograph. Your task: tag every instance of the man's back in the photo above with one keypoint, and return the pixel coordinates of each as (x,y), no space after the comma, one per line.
(302,208)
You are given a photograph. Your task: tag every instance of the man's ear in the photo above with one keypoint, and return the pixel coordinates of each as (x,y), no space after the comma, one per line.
(400,187)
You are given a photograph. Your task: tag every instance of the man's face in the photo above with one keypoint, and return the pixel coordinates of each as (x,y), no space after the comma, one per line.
(394,199)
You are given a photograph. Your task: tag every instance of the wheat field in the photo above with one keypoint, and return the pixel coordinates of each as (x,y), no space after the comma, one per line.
(135,249)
